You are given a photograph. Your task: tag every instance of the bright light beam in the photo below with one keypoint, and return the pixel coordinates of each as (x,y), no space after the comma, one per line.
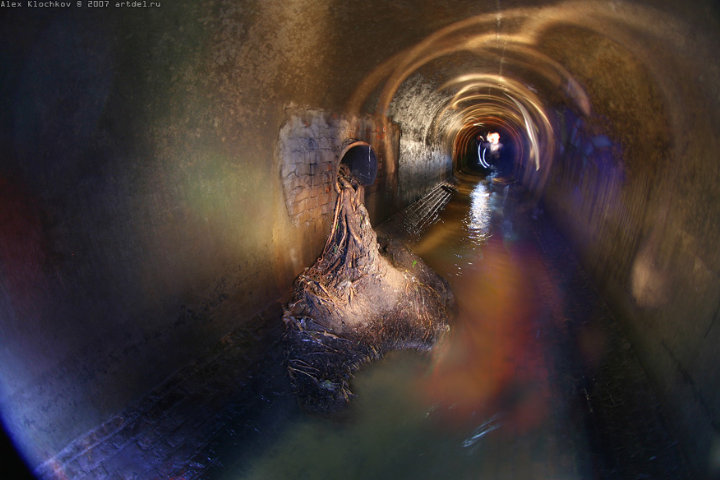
(481,157)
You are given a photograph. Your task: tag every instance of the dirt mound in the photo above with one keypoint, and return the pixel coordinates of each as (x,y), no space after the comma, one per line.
(359,300)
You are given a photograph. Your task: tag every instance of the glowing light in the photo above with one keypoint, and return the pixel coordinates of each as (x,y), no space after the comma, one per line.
(483,162)
(492,349)
(517,92)
(494,139)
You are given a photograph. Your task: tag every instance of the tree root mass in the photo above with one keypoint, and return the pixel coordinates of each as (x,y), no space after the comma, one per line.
(361,299)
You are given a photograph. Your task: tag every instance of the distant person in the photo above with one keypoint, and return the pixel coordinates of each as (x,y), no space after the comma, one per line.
(491,143)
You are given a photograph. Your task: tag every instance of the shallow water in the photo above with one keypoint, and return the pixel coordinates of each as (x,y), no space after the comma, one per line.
(507,394)
(394,431)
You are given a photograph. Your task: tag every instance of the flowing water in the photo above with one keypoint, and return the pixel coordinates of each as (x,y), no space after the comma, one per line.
(518,390)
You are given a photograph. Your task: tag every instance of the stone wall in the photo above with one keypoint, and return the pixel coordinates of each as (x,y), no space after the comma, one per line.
(424,160)
(309,149)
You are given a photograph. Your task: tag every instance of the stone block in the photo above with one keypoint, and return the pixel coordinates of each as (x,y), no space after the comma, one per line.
(302,169)
(301,193)
(327,143)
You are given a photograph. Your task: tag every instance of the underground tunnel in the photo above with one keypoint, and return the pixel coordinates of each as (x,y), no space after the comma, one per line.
(169,170)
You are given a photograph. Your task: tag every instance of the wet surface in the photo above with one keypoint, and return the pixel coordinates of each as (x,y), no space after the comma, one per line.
(535,380)
(535,345)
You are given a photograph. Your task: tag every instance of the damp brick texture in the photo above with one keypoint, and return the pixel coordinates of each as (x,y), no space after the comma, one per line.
(310,144)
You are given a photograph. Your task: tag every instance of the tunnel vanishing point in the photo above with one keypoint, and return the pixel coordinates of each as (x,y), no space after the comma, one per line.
(167,172)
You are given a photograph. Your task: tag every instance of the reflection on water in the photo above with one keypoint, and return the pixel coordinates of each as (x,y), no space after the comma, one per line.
(478,224)
(532,382)
(488,402)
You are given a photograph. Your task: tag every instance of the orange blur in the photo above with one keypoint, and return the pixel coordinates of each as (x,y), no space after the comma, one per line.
(492,361)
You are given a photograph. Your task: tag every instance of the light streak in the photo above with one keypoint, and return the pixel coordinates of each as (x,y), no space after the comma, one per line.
(482,157)
(481,431)
(530,129)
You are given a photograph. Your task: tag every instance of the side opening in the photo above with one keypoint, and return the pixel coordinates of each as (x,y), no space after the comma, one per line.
(361,160)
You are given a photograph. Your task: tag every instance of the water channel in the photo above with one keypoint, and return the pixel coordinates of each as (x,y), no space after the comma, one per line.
(535,381)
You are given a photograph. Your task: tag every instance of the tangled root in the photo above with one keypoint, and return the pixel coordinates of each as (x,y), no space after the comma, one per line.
(356,303)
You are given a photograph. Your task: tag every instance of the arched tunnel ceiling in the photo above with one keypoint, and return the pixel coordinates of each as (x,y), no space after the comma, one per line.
(513,66)
(142,182)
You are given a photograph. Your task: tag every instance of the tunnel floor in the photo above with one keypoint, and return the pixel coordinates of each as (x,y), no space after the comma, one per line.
(536,380)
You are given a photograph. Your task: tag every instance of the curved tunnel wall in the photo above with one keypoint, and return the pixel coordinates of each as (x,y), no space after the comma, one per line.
(601,101)
(633,189)
(144,174)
